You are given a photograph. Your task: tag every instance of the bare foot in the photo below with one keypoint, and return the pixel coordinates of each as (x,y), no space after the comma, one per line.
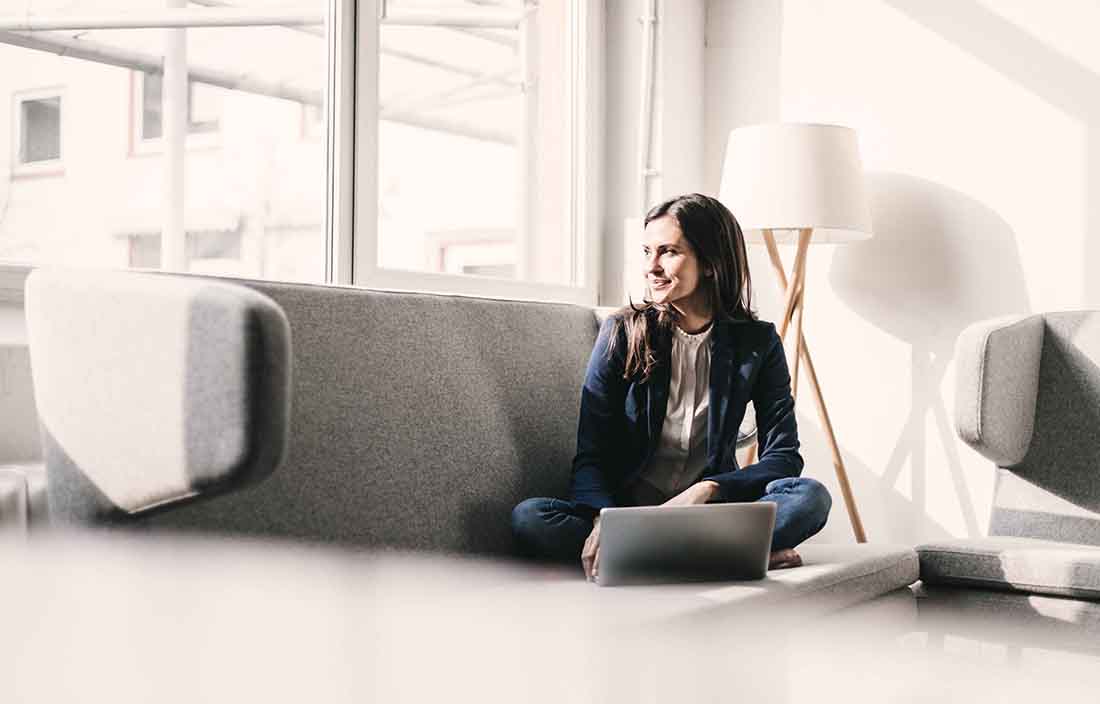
(783,559)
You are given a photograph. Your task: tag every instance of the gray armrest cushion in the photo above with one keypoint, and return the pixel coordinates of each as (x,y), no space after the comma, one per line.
(997,381)
(153,390)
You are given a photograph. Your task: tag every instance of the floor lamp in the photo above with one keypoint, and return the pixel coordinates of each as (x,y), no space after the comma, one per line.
(801,184)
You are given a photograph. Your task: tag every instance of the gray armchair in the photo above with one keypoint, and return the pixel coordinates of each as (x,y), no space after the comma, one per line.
(153,390)
(1029,400)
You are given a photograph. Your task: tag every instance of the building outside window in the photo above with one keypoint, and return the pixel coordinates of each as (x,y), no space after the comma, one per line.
(37,134)
(208,251)
(40,130)
(203,107)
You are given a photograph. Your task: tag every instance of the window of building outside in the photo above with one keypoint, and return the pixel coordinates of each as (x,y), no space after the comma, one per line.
(474,115)
(39,129)
(203,107)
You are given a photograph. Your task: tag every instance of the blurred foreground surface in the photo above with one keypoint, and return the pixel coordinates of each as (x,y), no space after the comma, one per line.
(125,619)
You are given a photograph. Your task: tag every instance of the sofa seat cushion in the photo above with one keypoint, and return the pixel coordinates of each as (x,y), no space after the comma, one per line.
(832,577)
(1020,564)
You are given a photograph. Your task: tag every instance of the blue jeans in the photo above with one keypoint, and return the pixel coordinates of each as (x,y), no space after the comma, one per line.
(554,529)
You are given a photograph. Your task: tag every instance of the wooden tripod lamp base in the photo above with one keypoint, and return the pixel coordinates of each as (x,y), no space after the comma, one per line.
(800,353)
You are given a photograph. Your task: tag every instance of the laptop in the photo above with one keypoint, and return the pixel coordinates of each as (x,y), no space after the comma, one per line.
(708,542)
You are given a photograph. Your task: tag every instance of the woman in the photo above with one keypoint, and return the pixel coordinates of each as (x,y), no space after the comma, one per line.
(665,394)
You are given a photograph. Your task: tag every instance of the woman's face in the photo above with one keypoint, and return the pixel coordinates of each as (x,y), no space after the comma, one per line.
(672,269)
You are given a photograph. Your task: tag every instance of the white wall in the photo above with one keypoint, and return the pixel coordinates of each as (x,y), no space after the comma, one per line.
(741,72)
(975,120)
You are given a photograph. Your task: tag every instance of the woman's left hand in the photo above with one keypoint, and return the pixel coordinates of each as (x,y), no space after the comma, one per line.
(698,493)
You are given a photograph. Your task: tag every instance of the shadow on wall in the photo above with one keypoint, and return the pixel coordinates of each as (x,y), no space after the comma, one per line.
(888,515)
(1044,71)
(938,262)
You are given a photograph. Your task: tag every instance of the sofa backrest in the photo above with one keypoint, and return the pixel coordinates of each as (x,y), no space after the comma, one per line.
(1054,493)
(417,421)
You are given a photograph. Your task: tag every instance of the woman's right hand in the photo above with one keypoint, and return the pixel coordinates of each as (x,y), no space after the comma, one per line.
(590,554)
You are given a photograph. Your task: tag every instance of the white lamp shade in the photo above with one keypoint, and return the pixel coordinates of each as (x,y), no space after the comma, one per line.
(791,176)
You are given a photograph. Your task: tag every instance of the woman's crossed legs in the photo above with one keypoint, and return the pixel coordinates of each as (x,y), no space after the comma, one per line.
(555,529)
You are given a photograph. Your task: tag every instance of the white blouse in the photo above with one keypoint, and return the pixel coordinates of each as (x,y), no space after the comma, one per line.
(681,455)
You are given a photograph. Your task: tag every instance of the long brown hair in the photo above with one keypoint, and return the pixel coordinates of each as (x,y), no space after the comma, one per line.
(719,245)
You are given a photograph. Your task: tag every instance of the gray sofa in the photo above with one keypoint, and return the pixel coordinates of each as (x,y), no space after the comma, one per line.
(416,421)
(1029,400)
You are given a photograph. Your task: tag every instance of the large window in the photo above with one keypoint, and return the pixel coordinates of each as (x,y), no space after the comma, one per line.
(440,145)
(478,115)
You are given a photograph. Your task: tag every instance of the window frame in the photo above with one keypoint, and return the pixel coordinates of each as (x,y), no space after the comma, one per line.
(584,193)
(339,152)
(351,144)
(49,167)
(341,155)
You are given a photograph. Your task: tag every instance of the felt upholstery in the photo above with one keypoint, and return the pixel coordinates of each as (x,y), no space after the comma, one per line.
(1029,399)
(998,376)
(152,390)
(420,420)
(1054,491)
(1021,564)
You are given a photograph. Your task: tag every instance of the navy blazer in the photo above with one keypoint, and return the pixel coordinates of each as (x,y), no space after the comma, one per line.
(620,419)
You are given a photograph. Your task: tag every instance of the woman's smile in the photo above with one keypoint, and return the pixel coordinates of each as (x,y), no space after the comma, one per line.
(672,267)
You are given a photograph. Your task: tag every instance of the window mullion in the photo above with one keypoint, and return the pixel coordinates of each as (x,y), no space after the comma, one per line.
(340,153)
